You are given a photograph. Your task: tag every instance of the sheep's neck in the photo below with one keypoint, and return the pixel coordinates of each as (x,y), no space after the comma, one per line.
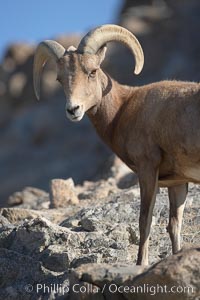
(106,115)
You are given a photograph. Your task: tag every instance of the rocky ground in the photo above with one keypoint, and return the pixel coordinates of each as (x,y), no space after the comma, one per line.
(30,129)
(86,237)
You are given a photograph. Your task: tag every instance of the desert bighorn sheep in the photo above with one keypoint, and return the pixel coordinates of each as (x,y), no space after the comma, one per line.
(154,129)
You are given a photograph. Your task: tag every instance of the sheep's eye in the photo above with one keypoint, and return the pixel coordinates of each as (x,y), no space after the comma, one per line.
(92,73)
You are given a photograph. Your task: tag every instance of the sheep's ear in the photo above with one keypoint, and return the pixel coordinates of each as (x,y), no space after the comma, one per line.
(71,48)
(101,53)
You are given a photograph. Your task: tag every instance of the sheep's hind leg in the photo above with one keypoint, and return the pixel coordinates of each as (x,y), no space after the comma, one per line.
(177,196)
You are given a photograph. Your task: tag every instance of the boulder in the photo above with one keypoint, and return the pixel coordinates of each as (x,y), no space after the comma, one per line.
(30,197)
(176,277)
(62,193)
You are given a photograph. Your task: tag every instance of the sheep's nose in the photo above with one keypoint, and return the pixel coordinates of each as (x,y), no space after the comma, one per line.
(73,110)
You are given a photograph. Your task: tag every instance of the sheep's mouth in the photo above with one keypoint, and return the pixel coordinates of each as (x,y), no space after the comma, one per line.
(75,118)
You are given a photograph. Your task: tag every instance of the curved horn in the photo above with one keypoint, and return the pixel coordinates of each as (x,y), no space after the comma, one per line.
(45,50)
(99,36)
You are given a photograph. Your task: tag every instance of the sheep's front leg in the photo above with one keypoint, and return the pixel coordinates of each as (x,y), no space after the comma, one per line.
(177,197)
(148,180)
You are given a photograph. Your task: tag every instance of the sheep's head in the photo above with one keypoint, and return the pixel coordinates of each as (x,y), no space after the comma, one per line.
(80,77)
(78,70)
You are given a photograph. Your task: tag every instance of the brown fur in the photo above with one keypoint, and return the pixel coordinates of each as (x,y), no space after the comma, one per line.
(154,129)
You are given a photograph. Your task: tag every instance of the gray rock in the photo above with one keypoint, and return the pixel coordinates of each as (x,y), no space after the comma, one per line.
(177,277)
(119,208)
(16,215)
(31,198)
(102,277)
(92,224)
(23,277)
(3,221)
(97,190)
